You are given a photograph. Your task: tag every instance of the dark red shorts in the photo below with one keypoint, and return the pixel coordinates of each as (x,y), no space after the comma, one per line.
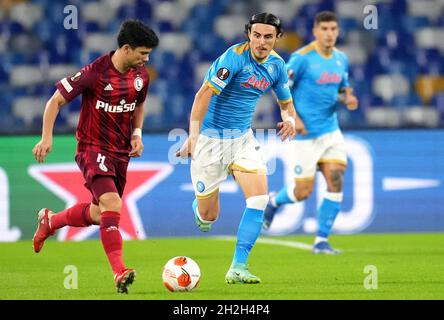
(97,165)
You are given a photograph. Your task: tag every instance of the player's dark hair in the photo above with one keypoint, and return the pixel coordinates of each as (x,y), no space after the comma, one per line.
(325,16)
(136,34)
(266,18)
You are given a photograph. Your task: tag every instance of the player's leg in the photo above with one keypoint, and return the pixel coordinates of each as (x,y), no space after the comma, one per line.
(250,172)
(254,187)
(207,172)
(332,166)
(104,188)
(330,206)
(304,154)
(206,210)
(94,212)
(291,193)
(79,215)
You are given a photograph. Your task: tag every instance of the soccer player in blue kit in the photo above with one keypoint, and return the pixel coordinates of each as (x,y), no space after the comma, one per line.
(318,76)
(221,141)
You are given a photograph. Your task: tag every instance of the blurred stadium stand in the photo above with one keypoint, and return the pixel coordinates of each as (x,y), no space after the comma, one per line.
(397,70)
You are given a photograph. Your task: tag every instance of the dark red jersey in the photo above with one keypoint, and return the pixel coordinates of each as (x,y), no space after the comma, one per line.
(109,99)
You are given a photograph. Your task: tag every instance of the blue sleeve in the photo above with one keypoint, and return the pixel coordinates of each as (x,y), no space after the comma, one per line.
(296,67)
(222,70)
(344,82)
(281,87)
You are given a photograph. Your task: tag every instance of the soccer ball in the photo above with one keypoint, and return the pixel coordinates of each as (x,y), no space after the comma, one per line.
(181,274)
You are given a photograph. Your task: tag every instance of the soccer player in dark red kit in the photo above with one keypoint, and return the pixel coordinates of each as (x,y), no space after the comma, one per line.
(109,133)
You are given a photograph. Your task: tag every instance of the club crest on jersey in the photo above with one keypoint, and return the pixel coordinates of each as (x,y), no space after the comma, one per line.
(248,68)
(76,77)
(138,83)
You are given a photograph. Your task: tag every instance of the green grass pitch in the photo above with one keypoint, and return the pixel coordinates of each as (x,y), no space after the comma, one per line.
(409,266)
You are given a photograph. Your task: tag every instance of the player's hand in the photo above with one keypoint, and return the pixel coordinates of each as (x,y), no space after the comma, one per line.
(287,130)
(351,102)
(137,147)
(41,149)
(187,149)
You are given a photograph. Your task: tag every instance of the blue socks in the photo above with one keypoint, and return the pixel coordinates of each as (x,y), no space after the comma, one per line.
(327,213)
(247,234)
(329,209)
(284,196)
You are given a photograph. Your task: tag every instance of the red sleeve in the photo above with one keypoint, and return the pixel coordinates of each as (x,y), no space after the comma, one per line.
(72,86)
(146,83)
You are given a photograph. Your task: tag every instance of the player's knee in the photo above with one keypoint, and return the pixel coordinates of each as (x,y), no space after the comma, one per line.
(94,212)
(209,213)
(110,202)
(302,194)
(258,202)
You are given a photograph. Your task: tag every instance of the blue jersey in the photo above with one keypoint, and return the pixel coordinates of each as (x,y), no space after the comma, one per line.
(315,81)
(239,80)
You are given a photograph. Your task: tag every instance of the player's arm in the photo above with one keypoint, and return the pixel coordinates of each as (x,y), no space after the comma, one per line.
(291,123)
(346,91)
(44,146)
(346,97)
(137,125)
(198,111)
(216,79)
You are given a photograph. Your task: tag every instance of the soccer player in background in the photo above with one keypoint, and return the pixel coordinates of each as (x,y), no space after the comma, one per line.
(318,76)
(221,141)
(109,133)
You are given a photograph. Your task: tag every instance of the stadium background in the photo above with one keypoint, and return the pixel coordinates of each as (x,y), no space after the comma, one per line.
(395,139)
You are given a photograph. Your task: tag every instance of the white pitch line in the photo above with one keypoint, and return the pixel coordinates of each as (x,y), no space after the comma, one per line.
(284,243)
